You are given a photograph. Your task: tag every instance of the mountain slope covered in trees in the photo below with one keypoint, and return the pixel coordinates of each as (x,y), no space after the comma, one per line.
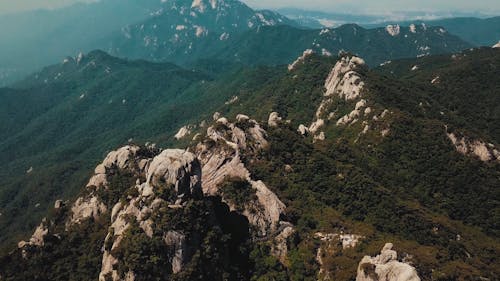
(351,158)
(185,31)
(64,118)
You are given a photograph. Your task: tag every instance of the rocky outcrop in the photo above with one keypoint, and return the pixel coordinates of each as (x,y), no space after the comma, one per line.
(220,154)
(300,59)
(176,172)
(177,247)
(486,152)
(175,167)
(183,132)
(137,188)
(90,205)
(86,207)
(394,30)
(303,130)
(385,267)
(352,117)
(330,244)
(345,82)
(274,119)
(37,239)
(344,88)
(345,79)
(280,244)
(232,100)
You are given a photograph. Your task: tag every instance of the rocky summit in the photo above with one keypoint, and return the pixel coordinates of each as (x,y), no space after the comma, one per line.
(148,140)
(243,194)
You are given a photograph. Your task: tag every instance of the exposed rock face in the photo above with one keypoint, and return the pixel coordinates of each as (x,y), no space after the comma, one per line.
(303,130)
(178,168)
(280,246)
(182,133)
(232,100)
(274,119)
(300,59)
(220,156)
(385,267)
(37,239)
(86,207)
(347,240)
(174,169)
(121,158)
(162,180)
(345,78)
(91,205)
(345,82)
(154,181)
(176,243)
(353,115)
(478,148)
(395,30)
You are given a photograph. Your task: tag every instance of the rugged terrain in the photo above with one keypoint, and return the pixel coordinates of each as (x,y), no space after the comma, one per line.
(185,31)
(326,170)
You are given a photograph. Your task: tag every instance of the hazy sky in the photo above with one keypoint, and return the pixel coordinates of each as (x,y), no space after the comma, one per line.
(360,6)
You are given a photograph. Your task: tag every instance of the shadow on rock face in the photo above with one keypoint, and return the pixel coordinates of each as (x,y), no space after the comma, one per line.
(238,229)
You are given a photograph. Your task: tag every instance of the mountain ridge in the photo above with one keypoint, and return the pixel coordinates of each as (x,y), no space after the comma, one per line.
(179,32)
(340,182)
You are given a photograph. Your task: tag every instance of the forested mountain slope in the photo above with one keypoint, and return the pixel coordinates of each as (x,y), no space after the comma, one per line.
(332,161)
(185,31)
(274,43)
(64,119)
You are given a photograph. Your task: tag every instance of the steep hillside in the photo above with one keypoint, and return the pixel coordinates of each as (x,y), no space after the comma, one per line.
(333,163)
(184,30)
(280,45)
(64,118)
(470,82)
(184,38)
(480,32)
(32,40)
(131,28)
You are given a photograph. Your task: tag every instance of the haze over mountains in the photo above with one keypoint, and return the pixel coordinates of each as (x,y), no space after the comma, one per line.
(149,30)
(205,140)
(480,30)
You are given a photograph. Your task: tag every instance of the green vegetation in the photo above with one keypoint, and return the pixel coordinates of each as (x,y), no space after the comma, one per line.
(85,113)
(239,192)
(410,187)
(72,255)
(145,256)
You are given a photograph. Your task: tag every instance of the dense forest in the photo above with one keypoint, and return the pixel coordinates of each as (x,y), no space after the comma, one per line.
(409,186)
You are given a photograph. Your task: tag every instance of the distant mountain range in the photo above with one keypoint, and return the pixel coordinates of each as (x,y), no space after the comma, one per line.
(475,29)
(184,31)
(480,32)
(280,45)
(252,147)
(36,39)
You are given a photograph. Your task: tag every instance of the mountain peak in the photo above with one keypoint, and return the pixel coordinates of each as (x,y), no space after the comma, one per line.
(202,5)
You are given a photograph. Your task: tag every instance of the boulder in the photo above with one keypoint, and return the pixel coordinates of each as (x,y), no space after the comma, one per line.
(119,158)
(274,119)
(183,132)
(178,168)
(303,130)
(385,267)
